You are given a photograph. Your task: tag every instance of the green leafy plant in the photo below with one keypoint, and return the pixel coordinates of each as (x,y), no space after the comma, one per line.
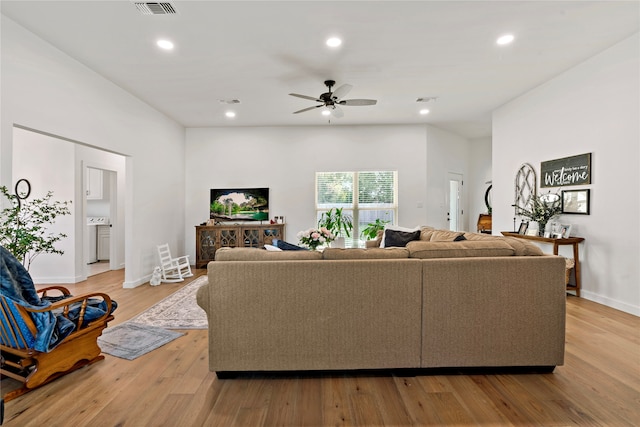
(336,222)
(371,230)
(541,209)
(23,230)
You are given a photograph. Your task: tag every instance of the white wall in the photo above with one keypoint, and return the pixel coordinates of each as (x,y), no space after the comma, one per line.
(479,174)
(46,90)
(592,108)
(32,153)
(286,159)
(446,152)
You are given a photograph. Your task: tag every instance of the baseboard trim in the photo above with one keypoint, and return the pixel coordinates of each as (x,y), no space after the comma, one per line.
(136,283)
(610,302)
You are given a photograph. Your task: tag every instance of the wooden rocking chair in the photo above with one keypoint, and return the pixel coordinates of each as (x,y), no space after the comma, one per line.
(173,269)
(18,331)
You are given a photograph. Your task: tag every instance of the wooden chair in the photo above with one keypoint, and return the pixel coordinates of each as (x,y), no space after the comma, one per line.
(173,269)
(33,368)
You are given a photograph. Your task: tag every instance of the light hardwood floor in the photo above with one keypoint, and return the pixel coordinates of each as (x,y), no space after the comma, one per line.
(599,385)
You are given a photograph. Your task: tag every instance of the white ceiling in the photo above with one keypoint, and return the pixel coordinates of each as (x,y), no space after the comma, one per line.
(393,51)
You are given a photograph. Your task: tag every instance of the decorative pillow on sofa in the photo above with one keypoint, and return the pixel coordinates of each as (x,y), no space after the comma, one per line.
(395,228)
(426,232)
(447,236)
(281,244)
(272,248)
(395,238)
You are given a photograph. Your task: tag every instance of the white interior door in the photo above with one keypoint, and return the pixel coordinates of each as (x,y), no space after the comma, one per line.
(455,212)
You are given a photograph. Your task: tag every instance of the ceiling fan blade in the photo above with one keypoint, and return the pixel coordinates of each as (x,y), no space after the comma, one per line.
(313,98)
(308,109)
(337,111)
(341,91)
(358,102)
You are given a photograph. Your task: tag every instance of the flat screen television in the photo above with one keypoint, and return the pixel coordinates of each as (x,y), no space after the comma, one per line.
(239,204)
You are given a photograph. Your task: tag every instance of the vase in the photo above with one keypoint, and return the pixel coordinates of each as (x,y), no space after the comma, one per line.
(541,228)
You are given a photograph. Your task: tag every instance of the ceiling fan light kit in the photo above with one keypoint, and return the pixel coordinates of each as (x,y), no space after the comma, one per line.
(333,100)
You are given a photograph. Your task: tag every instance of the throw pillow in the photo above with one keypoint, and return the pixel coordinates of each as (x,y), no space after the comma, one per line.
(272,248)
(394,238)
(394,228)
(287,246)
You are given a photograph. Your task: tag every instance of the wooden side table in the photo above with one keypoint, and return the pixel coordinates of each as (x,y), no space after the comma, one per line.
(573,241)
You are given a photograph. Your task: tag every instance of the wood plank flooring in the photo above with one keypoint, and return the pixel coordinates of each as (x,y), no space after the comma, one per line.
(599,385)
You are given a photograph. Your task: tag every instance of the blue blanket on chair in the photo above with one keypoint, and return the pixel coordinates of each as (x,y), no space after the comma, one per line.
(17,286)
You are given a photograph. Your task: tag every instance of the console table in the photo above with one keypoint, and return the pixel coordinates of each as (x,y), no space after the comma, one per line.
(573,241)
(210,238)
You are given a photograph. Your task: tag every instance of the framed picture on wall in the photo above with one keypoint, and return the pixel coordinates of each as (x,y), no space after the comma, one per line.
(575,202)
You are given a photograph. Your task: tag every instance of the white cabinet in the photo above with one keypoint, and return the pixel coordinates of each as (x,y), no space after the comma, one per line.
(92,255)
(94,184)
(104,237)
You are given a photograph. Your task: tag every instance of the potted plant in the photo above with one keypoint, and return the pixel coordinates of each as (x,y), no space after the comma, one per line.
(338,223)
(370,232)
(541,209)
(23,229)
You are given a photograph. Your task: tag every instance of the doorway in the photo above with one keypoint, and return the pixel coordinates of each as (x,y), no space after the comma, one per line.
(100,218)
(455,212)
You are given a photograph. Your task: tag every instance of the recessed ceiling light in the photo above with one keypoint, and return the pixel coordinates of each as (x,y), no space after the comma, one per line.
(230,114)
(334,42)
(424,111)
(505,39)
(165,44)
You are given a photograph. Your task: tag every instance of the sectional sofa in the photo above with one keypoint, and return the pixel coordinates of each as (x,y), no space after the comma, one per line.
(485,301)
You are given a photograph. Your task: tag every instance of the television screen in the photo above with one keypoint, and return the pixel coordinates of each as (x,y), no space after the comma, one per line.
(239,204)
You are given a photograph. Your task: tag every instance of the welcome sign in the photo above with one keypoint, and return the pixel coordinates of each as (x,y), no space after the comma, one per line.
(575,170)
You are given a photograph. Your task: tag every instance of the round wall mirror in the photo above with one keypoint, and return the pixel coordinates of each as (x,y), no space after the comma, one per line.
(487,198)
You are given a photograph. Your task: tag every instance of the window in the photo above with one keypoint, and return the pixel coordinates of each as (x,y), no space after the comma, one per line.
(364,195)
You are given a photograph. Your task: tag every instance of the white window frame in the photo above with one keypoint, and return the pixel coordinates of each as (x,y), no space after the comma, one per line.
(355,207)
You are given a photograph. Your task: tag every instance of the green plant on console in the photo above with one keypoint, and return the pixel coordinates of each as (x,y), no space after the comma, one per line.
(23,229)
(542,209)
(336,222)
(371,230)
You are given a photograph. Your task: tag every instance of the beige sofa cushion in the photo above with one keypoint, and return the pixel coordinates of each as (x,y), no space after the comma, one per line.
(465,248)
(370,253)
(254,254)
(445,235)
(520,246)
(426,232)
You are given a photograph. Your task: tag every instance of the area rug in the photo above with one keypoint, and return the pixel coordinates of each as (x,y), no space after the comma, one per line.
(177,311)
(131,340)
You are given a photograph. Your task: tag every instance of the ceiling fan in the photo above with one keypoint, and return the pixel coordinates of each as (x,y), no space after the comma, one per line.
(332,100)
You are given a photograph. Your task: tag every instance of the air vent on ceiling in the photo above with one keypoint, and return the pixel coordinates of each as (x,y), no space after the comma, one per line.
(154,8)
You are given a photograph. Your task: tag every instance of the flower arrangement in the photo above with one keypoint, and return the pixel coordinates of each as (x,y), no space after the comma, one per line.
(541,209)
(314,237)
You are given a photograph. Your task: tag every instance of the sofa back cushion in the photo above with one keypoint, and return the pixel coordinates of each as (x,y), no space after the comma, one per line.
(520,246)
(445,236)
(462,249)
(370,253)
(255,254)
